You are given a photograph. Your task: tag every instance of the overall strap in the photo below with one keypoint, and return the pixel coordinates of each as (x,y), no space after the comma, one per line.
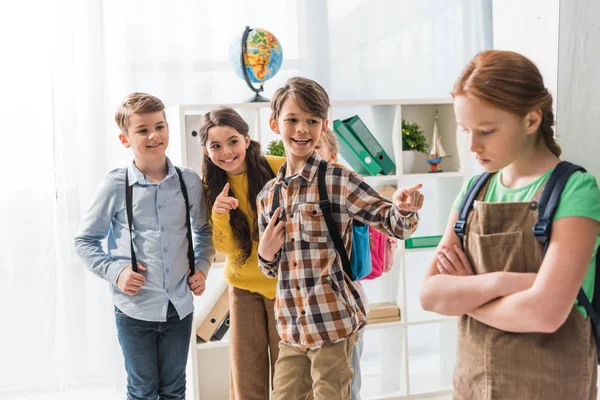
(460,227)
(325,205)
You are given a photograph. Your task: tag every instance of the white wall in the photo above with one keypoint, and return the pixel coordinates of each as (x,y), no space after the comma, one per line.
(529,27)
(579,83)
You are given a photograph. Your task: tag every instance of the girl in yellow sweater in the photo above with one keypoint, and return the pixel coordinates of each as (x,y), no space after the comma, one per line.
(235,171)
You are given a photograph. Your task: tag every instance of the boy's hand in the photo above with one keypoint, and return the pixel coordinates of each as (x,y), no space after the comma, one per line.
(453,261)
(272,238)
(224,203)
(197,282)
(130,282)
(408,199)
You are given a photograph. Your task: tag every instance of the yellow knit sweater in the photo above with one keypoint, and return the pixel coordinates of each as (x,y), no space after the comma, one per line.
(247,276)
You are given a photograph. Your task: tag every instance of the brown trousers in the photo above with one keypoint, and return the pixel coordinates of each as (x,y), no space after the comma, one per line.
(253,345)
(326,371)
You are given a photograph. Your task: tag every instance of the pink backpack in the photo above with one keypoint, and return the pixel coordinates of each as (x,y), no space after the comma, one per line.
(383,248)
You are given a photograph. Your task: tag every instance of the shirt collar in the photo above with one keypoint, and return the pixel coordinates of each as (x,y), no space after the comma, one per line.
(308,171)
(137,176)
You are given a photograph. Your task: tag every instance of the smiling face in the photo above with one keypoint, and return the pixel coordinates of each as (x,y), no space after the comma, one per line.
(497,137)
(299,130)
(148,136)
(226,148)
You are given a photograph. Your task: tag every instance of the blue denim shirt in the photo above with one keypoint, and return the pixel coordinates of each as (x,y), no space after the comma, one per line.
(159,239)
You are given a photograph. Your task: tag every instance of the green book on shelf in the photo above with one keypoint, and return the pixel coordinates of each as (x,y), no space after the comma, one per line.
(354,152)
(422,242)
(362,133)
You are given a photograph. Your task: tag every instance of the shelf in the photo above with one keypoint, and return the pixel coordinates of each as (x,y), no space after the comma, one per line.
(432,395)
(420,175)
(195,108)
(431,321)
(384,325)
(212,345)
(420,249)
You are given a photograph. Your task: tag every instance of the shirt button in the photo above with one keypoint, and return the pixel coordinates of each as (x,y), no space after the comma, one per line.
(164,249)
(297,287)
(314,212)
(293,240)
(303,312)
(167,270)
(295,264)
(162,228)
(159,207)
(291,215)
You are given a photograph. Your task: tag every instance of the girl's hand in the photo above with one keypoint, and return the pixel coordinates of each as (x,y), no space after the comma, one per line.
(272,238)
(408,199)
(453,261)
(224,203)
(197,282)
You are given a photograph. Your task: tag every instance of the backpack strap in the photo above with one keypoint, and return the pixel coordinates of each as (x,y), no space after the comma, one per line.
(325,205)
(460,227)
(188,224)
(129,206)
(542,230)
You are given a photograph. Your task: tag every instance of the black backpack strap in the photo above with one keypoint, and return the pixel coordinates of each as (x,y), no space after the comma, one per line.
(460,227)
(276,195)
(542,230)
(129,206)
(550,198)
(325,205)
(188,224)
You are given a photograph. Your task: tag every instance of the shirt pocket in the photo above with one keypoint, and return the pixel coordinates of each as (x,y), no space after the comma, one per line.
(311,223)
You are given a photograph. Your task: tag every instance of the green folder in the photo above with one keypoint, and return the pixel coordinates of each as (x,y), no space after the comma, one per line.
(354,152)
(360,130)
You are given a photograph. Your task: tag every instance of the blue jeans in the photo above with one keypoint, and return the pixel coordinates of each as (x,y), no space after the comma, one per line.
(155,355)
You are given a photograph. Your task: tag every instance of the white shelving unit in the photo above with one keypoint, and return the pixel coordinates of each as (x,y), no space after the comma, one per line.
(409,359)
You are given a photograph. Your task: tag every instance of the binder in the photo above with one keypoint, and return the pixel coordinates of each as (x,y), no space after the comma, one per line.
(215,316)
(364,135)
(221,329)
(354,152)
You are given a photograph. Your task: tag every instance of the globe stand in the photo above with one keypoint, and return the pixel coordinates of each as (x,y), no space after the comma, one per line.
(257,97)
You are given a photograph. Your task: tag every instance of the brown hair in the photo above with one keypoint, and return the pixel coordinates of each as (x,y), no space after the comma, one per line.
(137,103)
(329,140)
(311,97)
(259,172)
(512,82)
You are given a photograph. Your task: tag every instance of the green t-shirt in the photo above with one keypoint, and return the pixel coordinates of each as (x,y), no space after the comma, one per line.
(580,198)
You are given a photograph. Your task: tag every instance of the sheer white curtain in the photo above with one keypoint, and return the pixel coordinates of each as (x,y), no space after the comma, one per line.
(66,66)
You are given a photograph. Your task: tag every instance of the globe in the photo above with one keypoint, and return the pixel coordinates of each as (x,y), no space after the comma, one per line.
(262,57)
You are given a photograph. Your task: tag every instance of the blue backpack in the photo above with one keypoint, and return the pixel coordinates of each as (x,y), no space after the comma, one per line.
(542,230)
(359,265)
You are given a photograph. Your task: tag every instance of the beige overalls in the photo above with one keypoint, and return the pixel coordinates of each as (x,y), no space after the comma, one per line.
(494,364)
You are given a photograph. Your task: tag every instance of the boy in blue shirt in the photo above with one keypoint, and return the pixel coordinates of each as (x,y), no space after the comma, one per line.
(150,261)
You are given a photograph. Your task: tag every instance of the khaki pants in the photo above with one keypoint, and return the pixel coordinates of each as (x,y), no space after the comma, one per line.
(326,371)
(253,345)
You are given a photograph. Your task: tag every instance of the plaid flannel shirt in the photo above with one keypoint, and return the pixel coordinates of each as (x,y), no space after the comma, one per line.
(316,301)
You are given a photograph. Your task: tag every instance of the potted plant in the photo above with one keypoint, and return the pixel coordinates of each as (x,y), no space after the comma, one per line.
(276,148)
(413,140)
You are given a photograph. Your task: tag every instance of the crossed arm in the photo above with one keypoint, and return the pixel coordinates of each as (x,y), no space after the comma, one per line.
(511,301)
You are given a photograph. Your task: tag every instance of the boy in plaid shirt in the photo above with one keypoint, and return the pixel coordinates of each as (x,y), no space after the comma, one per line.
(318,311)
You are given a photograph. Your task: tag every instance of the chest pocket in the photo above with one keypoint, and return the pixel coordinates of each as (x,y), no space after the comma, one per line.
(311,223)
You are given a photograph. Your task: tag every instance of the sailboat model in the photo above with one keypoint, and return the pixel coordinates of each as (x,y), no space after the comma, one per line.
(437,152)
